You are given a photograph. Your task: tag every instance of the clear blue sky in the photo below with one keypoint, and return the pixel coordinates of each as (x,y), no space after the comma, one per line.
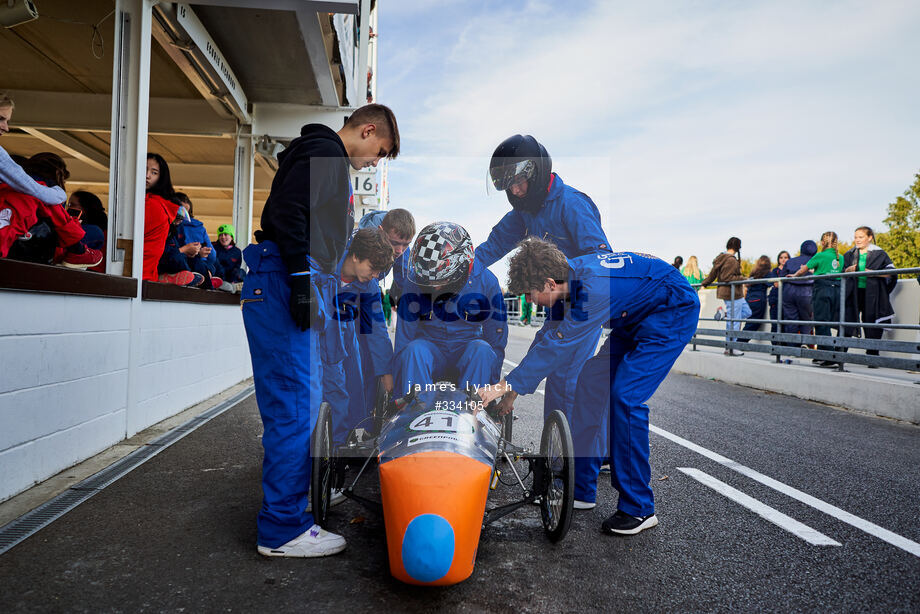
(686,122)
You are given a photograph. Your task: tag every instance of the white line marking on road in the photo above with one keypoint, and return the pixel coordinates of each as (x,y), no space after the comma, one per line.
(863,525)
(514,364)
(775,516)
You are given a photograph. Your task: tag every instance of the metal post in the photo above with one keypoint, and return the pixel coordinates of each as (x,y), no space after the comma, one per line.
(731,319)
(842,316)
(779,312)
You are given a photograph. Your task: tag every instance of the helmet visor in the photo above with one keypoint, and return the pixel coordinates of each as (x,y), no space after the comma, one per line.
(503,177)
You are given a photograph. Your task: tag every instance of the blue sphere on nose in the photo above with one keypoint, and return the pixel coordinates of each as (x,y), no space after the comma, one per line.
(428,547)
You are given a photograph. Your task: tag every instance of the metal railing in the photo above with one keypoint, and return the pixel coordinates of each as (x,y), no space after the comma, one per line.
(797,344)
(513,307)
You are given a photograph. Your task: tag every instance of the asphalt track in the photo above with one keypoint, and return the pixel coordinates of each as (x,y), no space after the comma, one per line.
(178,533)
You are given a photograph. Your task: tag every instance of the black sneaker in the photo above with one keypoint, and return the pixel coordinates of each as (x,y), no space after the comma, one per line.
(622,523)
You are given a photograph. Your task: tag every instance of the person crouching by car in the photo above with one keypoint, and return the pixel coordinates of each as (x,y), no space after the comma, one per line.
(652,312)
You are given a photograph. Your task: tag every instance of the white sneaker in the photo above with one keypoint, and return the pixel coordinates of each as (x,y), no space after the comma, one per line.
(337,496)
(584,505)
(314,542)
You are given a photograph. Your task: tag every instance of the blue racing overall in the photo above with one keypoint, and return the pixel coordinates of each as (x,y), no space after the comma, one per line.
(343,380)
(373,340)
(287,371)
(652,312)
(571,220)
(469,332)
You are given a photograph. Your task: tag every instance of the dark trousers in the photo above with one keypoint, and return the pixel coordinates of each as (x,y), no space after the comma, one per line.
(868,333)
(825,301)
(758,309)
(797,306)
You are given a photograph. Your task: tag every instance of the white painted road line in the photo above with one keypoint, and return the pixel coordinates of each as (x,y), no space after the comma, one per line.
(775,516)
(863,525)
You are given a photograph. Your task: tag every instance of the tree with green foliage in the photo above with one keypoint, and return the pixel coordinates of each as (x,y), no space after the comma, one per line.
(902,241)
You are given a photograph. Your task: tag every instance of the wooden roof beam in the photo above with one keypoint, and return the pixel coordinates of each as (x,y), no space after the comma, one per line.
(80,112)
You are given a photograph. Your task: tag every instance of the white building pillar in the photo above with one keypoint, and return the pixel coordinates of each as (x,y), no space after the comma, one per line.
(128,156)
(243,163)
(128,168)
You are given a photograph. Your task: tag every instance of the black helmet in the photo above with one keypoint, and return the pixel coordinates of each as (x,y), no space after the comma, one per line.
(442,257)
(521,157)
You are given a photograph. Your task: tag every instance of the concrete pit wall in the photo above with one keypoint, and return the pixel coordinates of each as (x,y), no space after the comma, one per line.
(67,391)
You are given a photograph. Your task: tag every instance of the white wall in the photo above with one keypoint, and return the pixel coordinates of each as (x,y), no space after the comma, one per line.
(64,380)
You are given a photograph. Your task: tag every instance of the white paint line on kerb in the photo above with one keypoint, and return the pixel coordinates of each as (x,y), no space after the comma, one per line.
(766,512)
(514,364)
(855,521)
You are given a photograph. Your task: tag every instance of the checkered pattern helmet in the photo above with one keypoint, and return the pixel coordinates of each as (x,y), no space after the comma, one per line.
(442,257)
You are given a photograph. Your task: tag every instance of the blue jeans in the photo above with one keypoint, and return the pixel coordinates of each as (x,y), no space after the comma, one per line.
(739,310)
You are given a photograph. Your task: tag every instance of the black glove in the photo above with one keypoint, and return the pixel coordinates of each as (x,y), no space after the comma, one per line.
(304,308)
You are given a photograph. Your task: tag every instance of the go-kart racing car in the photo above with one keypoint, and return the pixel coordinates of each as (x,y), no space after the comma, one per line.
(438,454)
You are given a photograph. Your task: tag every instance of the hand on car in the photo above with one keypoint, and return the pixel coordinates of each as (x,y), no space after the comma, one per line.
(387,381)
(506,405)
(490,393)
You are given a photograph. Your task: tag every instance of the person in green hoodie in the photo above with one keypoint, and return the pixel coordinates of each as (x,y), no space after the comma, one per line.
(825,298)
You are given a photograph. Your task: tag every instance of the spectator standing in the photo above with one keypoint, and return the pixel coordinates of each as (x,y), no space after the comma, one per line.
(773,293)
(692,272)
(229,256)
(797,294)
(160,211)
(756,295)
(526,310)
(825,297)
(725,268)
(678,262)
(867,298)
(387,307)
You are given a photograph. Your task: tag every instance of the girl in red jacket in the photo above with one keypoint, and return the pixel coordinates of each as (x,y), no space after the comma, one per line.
(160,210)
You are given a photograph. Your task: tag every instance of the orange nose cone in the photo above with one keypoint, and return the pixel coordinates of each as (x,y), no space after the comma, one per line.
(433,504)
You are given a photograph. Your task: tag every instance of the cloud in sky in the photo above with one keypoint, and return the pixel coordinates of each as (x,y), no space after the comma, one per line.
(686,122)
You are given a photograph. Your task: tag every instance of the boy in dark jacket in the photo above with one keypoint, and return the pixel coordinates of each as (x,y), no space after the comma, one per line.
(286,302)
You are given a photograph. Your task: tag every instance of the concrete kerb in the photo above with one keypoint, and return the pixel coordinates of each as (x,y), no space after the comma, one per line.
(876,396)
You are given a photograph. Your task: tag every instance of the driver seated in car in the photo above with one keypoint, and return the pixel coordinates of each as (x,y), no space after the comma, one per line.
(452,315)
